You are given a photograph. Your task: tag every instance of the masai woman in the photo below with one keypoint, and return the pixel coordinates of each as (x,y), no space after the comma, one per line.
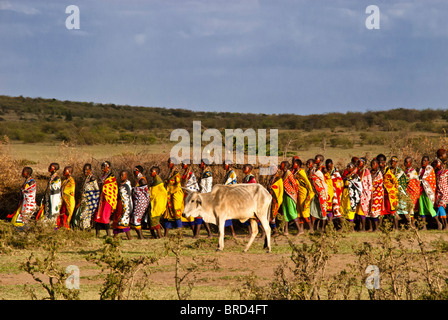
(190,184)
(206,177)
(140,197)
(249,176)
(158,196)
(123,212)
(108,199)
(390,185)
(441,193)
(290,196)
(351,196)
(338,187)
(331,195)
(413,188)
(275,188)
(362,210)
(318,208)
(403,198)
(305,194)
(175,199)
(427,197)
(51,203)
(90,199)
(27,204)
(376,201)
(68,199)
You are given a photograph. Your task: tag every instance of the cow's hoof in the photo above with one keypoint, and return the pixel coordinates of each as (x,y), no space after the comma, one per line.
(218,250)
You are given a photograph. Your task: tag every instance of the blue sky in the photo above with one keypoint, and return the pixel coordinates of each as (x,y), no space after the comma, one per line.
(256,56)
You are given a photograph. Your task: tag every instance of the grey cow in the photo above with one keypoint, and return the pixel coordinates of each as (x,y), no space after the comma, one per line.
(238,201)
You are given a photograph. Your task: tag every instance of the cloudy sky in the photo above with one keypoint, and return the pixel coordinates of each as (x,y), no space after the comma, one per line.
(288,56)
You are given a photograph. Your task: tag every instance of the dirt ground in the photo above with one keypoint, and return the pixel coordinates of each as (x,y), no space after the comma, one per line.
(217,275)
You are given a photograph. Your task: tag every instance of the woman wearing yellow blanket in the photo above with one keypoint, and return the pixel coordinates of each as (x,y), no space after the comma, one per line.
(305,195)
(68,199)
(175,199)
(158,196)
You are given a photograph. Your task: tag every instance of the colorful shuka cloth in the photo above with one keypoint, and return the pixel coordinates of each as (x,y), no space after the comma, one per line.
(90,199)
(206,181)
(125,207)
(442,192)
(390,185)
(428,191)
(366,194)
(27,205)
(158,196)
(108,199)
(51,203)
(376,202)
(351,196)
(413,188)
(442,188)
(332,200)
(338,187)
(141,200)
(275,188)
(290,194)
(230,178)
(175,201)
(330,190)
(68,203)
(318,207)
(305,192)
(250,178)
(190,183)
(403,197)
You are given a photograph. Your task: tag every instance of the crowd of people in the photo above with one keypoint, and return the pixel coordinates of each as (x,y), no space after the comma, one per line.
(308,195)
(364,193)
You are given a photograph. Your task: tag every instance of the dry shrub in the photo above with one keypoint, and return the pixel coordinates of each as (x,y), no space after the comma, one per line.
(417,147)
(10,180)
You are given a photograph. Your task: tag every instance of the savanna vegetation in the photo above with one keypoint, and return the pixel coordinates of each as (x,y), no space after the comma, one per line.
(331,265)
(324,265)
(32,120)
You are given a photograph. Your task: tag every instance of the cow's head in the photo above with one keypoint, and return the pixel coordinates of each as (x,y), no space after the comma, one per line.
(193,205)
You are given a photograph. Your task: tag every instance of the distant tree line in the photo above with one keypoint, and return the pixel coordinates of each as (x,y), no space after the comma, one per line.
(34,120)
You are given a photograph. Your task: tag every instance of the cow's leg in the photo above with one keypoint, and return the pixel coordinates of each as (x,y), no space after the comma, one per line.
(265,223)
(254,229)
(221,227)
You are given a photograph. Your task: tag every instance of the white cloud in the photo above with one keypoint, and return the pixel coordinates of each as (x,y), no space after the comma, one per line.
(19,8)
(140,39)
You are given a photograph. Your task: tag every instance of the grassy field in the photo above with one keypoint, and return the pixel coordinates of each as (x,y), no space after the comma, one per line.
(311,265)
(227,275)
